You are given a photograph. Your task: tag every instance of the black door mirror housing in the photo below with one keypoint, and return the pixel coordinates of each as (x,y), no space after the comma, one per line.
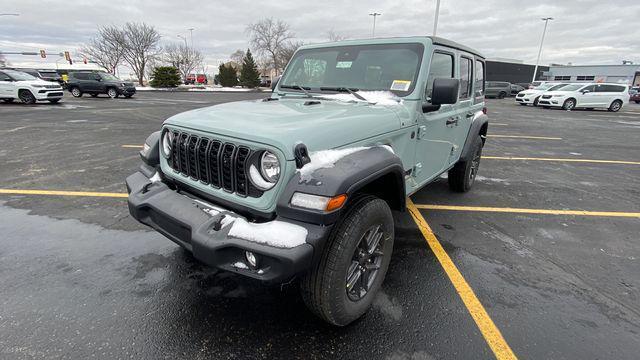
(445,91)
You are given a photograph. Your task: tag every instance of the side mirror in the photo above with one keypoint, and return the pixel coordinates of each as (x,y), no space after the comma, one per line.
(274,83)
(445,91)
(8,80)
(585,91)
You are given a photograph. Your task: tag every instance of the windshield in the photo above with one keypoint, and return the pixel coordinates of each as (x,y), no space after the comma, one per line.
(572,87)
(557,87)
(544,87)
(387,67)
(19,75)
(108,77)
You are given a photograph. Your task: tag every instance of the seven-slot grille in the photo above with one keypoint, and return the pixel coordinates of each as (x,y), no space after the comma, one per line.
(212,162)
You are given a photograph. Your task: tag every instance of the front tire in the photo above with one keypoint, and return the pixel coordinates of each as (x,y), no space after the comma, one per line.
(615,106)
(569,104)
(75,91)
(113,93)
(344,283)
(535,101)
(463,174)
(27,97)
(502,95)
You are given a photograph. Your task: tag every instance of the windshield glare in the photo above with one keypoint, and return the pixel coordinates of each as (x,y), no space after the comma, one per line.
(385,67)
(19,75)
(544,86)
(557,87)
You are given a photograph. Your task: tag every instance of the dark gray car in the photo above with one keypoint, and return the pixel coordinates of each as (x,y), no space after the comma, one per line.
(95,83)
(499,89)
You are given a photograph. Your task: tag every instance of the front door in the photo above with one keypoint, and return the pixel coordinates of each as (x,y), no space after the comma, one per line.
(587,96)
(434,128)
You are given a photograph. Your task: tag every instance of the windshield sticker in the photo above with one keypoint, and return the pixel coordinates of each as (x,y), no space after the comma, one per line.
(400,85)
(344,64)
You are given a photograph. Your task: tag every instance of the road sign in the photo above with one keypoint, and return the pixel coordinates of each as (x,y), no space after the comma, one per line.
(67,56)
(43,54)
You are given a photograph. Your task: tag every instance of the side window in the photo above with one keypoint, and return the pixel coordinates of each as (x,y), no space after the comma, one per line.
(441,67)
(479,83)
(590,88)
(466,73)
(4,76)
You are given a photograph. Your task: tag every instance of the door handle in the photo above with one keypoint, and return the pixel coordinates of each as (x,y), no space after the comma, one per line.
(452,121)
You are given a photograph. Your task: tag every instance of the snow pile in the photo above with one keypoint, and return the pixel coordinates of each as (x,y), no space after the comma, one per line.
(375,97)
(273,233)
(325,159)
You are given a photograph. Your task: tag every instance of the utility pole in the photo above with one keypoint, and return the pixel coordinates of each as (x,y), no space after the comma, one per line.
(191,31)
(535,70)
(374,14)
(435,20)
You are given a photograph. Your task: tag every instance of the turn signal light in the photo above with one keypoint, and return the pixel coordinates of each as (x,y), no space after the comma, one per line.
(336,202)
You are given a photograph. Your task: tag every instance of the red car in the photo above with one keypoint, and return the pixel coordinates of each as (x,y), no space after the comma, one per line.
(196,79)
(635,94)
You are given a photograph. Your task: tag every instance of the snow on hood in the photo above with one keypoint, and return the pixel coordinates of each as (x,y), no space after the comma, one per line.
(328,158)
(375,97)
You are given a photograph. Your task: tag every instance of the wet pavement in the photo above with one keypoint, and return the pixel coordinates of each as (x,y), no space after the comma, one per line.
(80,279)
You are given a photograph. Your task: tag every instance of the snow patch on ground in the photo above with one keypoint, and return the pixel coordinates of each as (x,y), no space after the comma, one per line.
(375,97)
(239,265)
(575,153)
(482,178)
(325,159)
(273,233)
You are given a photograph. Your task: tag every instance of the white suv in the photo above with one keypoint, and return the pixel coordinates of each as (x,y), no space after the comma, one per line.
(590,96)
(531,96)
(26,88)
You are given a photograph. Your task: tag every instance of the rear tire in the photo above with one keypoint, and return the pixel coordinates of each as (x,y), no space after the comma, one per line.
(502,95)
(344,283)
(27,97)
(75,91)
(615,106)
(113,93)
(463,174)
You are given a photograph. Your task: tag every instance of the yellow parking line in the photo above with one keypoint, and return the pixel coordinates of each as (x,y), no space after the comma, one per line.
(132,146)
(562,160)
(530,211)
(489,330)
(62,193)
(523,137)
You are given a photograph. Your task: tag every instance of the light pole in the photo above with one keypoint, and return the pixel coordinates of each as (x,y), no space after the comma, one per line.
(435,20)
(185,40)
(535,70)
(374,14)
(191,31)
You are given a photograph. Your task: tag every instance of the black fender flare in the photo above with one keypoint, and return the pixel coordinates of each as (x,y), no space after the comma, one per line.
(479,126)
(151,157)
(377,168)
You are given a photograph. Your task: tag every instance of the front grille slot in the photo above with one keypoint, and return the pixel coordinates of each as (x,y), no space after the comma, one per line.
(212,162)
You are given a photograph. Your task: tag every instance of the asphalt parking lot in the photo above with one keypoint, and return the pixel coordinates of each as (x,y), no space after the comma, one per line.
(547,244)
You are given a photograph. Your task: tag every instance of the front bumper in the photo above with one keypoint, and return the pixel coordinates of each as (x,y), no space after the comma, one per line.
(47,94)
(553,102)
(182,218)
(527,99)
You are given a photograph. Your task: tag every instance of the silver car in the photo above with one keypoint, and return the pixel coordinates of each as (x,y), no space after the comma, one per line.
(498,89)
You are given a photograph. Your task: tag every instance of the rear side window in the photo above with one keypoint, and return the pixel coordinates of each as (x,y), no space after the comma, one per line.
(479,83)
(466,73)
(441,67)
(610,88)
(4,76)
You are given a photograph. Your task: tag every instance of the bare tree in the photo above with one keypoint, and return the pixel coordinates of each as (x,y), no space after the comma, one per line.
(268,37)
(287,51)
(140,46)
(334,36)
(184,58)
(237,56)
(106,48)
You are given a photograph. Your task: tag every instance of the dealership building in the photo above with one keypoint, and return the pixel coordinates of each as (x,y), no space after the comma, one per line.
(623,74)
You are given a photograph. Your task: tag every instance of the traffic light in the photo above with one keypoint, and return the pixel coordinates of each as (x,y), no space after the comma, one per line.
(43,54)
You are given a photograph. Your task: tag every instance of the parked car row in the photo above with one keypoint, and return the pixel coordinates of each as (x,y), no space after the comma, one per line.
(569,96)
(30,86)
(502,89)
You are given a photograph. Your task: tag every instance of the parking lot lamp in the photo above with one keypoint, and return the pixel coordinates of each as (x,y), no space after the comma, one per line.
(435,20)
(535,70)
(375,15)
(191,31)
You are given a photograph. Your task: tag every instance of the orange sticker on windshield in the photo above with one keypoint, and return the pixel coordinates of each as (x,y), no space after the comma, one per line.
(400,85)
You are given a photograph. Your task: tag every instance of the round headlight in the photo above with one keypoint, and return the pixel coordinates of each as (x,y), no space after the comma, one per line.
(269,167)
(167,141)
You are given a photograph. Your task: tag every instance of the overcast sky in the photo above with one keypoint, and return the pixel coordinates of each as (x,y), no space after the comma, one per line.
(583,32)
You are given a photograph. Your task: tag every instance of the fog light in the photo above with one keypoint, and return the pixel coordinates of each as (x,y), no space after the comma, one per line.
(251,258)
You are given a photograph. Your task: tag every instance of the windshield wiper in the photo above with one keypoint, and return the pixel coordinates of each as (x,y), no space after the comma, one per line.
(298,87)
(350,91)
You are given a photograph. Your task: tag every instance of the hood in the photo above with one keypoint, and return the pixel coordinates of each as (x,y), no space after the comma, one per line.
(285,122)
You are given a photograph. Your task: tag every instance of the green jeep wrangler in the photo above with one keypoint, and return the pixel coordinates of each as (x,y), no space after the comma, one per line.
(301,184)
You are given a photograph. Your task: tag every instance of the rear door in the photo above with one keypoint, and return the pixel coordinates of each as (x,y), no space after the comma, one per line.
(433,145)
(460,122)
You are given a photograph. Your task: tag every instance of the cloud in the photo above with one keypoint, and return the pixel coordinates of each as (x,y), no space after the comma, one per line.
(583,32)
